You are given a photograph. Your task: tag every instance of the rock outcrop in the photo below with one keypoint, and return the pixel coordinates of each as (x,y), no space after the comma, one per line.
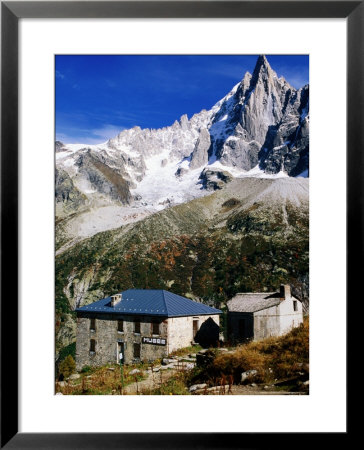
(200,152)
(215,179)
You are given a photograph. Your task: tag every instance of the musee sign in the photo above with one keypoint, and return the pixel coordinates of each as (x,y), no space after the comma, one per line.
(154,341)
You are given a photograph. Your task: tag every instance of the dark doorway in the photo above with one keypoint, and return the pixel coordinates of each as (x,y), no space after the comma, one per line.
(195,327)
(121,353)
(242,328)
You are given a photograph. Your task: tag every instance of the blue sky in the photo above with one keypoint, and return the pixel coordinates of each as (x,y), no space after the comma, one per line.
(97,96)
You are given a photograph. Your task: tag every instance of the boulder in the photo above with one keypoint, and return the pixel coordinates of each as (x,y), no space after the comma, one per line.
(189,360)
(169,366)
(74,376)
(195,387)
(134,372)
(166,361)
(218,388)
(248,374)
(213,389)
(189,365)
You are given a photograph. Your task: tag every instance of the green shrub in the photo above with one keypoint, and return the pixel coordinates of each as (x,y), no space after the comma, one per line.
(174,386)
(63,353)
(67,367)
(68,350)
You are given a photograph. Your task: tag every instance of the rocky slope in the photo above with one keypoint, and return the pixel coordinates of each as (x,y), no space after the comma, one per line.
(260,128)
(250,235)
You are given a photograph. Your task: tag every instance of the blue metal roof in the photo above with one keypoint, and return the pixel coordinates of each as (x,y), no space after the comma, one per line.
(152,303)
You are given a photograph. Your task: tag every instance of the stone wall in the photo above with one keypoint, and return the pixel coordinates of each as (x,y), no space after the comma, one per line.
(107,336)
(105,342)
(180,331)
(177,331)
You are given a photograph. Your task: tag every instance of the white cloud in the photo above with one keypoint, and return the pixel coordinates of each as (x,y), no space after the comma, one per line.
(74,135)
(107,131)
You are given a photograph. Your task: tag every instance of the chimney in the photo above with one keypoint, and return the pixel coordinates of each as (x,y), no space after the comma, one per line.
(115,299)
(285,291)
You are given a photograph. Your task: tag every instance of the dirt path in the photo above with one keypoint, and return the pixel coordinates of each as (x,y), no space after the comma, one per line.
(248,390)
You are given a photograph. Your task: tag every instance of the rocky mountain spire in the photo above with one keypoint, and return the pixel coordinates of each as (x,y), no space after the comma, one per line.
(264,125)
(262,68)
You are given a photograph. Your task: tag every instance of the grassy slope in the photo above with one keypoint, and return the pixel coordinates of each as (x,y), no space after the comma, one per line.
(275,359)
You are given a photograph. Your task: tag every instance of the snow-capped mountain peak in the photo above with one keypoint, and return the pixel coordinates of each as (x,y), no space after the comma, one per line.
(259,129)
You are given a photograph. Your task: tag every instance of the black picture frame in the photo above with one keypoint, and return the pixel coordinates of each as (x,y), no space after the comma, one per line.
(11,12)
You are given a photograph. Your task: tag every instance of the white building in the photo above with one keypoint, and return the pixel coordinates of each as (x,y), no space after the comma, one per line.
(255,316)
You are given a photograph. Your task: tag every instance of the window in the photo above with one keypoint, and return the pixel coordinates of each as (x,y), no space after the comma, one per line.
(136,326)
(155,327)
(120,326)
(136,350)
(93,324)
(92,346)
(295,305)
(194,327)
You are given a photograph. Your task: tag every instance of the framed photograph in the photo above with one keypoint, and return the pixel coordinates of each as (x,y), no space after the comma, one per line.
(165,228)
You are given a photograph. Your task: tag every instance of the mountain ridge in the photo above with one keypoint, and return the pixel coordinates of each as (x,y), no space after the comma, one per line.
(259,129)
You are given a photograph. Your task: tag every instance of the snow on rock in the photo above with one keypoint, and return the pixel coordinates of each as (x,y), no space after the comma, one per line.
(259,129)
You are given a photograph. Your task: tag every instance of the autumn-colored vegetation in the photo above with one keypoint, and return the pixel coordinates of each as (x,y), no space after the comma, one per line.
(67,367)
(275,359)
(106,380)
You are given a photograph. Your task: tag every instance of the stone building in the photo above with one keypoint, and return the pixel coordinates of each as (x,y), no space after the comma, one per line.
(141,325)
(255,316)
